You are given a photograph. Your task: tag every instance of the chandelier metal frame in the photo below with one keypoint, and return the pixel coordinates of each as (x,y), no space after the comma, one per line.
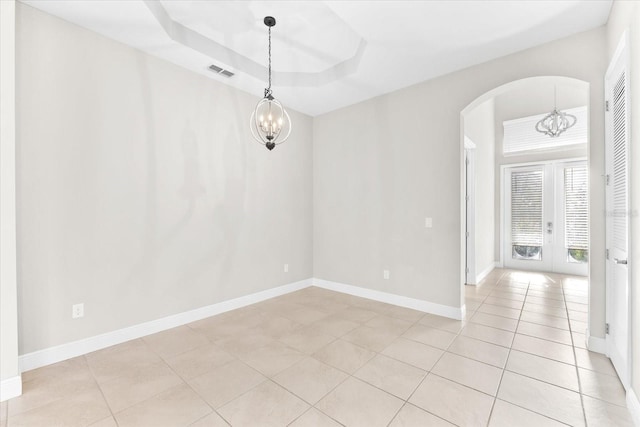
(270,118)
(556,122)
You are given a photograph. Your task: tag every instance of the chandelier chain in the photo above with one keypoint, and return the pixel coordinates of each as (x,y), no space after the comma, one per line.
(269,89)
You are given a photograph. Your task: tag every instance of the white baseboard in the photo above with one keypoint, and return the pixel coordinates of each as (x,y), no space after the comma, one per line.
(596,344)
(10,388)
(633,404)
(416,304)
(484,273)
(66,351)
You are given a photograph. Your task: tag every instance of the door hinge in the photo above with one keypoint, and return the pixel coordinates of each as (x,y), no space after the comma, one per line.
(466,234)
(606,329)
(607,178)
(606,105)
(466,270)
(607,253)
(466,161)
(467,198)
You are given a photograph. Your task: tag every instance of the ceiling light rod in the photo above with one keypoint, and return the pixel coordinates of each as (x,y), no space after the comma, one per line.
(269,118)
(556,122)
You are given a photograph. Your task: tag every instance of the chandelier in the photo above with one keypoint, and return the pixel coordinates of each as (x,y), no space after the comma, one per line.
(556,122)
(270,123)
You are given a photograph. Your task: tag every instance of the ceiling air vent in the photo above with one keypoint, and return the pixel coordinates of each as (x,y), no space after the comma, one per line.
(220,70)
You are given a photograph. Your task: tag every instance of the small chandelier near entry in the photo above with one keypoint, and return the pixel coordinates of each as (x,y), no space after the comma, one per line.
(270,119)
(556,122)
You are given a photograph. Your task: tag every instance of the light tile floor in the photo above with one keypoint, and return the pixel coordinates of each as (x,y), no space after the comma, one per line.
(321,358)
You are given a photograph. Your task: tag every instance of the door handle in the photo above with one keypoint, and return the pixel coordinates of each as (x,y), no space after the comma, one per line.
(620,261)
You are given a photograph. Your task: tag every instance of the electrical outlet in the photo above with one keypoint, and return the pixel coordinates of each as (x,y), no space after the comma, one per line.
(428,222)
(385,274)
(77,311)
(286,268)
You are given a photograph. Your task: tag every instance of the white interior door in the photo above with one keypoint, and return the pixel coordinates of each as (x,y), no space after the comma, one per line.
(546,217)
(617,121)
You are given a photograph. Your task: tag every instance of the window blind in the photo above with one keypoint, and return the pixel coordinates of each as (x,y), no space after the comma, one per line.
(576,207)
(521,135)
(526,208)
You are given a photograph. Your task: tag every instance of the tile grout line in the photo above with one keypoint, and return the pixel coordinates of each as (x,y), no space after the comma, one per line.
(404,401)
(184,380)
(447,351)
(352,375)
(508,356)
(348,374)
(99,388)
(312,407)
(444,351)
(429,372)
(575,358)
(213,410)
(187,383)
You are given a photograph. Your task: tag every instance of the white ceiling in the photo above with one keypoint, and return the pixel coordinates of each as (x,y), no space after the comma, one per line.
(329,54)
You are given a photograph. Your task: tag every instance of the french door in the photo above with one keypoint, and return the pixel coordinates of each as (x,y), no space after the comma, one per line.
(546,217)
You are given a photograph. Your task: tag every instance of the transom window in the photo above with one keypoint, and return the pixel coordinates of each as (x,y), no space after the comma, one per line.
(520,135)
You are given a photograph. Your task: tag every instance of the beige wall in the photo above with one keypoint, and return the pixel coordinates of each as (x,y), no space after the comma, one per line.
(383,165)
(625,15)
(140,190)
(8,283)
(479,127)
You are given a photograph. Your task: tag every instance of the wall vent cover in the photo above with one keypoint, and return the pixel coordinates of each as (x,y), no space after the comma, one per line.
(220,70)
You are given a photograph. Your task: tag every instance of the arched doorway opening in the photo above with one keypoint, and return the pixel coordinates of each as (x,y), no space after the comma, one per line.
(487,246)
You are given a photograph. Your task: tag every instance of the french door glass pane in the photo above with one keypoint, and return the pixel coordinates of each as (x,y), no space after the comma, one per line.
(526,215)
(576,213)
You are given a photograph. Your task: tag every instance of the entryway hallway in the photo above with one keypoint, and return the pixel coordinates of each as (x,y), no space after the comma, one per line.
(532,324)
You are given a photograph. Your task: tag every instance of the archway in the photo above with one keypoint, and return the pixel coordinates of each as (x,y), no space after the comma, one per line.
(534,92)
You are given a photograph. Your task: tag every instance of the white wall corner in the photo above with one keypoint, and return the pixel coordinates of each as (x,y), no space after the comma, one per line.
(66,351)
(402,301)
(595,344)
(10,388)
(484,273)
(11,385)
(633,404)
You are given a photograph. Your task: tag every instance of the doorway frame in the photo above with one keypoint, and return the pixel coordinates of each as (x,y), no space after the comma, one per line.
(502,209)
(470,208)
(594,343)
